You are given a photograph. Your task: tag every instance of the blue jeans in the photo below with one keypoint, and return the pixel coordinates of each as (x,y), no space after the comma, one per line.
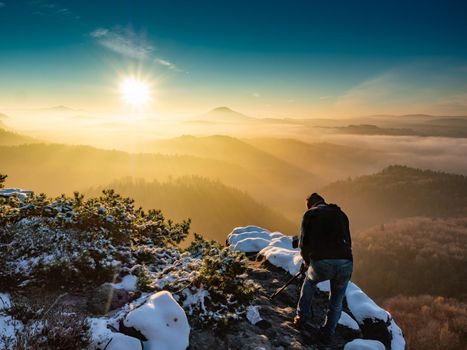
(338,271)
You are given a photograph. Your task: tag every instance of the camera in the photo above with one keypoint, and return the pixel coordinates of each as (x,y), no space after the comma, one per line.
(295,240)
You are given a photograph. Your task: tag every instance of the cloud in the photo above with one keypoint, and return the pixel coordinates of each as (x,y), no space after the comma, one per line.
(167,64)
(129,44)
(63,11)
(46,8)
(437,153)
(256,94)
(99,32)
(123,42)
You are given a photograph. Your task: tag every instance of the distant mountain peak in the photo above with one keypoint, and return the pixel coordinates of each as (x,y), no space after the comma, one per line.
(60,108)
(224,114)
(223,109)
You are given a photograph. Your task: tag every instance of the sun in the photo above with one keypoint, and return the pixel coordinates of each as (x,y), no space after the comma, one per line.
(135,92)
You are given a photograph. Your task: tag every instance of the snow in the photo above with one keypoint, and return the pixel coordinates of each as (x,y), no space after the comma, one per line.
(22,194)
(8,329)
(362,306)
(364,344)
(251,244)
(101,336)
(252,314)
(324,286)
(194,299)
(128,283)
(274,246)
(397,341)
(288,259)
(124,342)
(347,321)
(162,321)
(5,301)
(8,325)
(158,317)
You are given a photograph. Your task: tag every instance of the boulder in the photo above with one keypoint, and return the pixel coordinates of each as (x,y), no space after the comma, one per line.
(364,344)
(162,321)
(106,298)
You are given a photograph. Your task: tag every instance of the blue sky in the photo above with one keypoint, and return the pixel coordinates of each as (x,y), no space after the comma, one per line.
(268,58)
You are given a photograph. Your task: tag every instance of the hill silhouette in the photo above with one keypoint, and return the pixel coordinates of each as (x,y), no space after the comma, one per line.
(398,192)
(329,161)
(282,182)
(55,168)
(9,138)
(212,207)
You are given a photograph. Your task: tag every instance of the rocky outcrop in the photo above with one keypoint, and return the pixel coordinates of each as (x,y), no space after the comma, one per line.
(275,260)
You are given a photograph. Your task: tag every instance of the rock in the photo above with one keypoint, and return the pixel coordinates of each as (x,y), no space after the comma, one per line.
(123,342)
(364,344)
(377,329)
(263,324)
(162,321)
(105,298)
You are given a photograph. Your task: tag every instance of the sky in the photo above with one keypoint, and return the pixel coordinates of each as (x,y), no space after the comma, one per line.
(275,58)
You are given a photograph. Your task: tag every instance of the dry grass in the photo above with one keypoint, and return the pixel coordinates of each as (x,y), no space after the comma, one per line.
(430,323)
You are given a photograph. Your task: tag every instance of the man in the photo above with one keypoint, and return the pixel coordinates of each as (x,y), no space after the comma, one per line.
(326,248)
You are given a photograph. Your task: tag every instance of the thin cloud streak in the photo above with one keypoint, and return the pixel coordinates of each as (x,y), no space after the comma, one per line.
(167,64)
(45,8)
(125,43)
(129,44)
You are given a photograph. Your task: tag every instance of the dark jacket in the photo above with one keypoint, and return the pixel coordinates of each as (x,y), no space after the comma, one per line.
(325,234)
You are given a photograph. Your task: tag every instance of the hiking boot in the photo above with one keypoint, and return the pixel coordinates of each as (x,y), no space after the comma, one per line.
(324,340)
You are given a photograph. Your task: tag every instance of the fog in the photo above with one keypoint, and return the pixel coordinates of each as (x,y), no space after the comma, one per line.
(437,153)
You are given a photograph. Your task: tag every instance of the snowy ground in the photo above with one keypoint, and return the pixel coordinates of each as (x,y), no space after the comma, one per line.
(161,318)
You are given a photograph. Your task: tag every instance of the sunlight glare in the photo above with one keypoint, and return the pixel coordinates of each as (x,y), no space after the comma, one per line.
(135,92)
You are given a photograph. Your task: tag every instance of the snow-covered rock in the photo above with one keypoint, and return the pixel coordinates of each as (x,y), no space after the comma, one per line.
(347,321)
(274,246)
(397,341)
(366,315)
(362,306)
(127,283)
(158,317)
(162,321)
(364,344)
(124,342)
(288,259)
